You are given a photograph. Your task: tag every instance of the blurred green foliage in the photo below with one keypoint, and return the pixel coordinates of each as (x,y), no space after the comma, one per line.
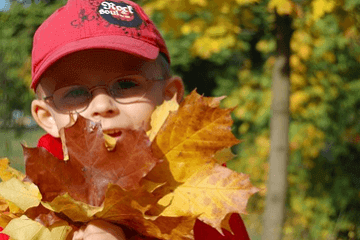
(17,27)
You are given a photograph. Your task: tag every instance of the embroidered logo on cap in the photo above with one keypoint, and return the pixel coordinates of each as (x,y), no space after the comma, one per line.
(119,13)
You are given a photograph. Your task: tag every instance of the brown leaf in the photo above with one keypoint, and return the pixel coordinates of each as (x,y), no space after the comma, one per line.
(42,215)
(91,167)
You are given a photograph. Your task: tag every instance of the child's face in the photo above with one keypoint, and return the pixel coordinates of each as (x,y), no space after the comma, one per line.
(94,68)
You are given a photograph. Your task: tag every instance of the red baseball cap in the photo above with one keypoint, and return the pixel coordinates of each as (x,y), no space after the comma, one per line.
(120,25)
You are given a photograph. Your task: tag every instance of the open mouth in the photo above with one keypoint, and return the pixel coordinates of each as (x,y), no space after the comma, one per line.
(113,133)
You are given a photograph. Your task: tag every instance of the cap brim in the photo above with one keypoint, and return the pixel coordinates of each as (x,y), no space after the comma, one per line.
(119,43)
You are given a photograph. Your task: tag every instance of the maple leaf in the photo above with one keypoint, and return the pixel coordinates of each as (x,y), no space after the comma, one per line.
(210,194)
(124,182)
(33,230)
(190,138)
(159,116)
(91,166)
(24,195)
(17,196)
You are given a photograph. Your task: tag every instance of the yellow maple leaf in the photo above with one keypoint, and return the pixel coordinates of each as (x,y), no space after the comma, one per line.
(24,195)
(160,114)
(75,210)
(210,194)
(24,228)
(191,137)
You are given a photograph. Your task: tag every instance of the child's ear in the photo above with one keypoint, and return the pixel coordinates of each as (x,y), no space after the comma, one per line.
(174,85)
(41,114)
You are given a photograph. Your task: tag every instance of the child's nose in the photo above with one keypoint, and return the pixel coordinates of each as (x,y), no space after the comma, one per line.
(102,105)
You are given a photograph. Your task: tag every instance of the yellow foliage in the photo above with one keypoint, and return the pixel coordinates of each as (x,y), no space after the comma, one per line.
(297,100)
(205,46)
(304,51)
(321,7)
(282,6)
(225,9)
(300,36)
(318,42)
(263,46)
(263,144)
(297,80)
(216,31)
(244,128)
(294,61)
(201,3)
(243,74)
(195,26)
(173,24)
(239,112)
(318,90)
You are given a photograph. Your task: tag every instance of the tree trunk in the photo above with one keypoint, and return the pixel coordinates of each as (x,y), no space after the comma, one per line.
(275,208)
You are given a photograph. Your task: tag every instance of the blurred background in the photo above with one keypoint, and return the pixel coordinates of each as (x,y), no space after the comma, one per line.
(230,47)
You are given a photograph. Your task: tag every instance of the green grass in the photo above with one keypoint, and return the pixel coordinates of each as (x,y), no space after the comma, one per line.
(10,145)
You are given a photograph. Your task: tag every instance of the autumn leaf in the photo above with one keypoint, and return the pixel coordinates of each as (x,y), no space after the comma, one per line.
(24,228)
(77,211)
(23,194)
(123,181)
(91,166)
(160,114)
(191,136)
(210,194)
(6,217)
(129,208)
(7,172)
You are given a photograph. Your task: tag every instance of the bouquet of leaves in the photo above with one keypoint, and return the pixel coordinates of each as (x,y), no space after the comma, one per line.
(156,183)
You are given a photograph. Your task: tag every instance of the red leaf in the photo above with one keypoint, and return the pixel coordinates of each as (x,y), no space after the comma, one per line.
(91,167)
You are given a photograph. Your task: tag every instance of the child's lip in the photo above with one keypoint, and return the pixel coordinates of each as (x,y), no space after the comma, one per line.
(115,133)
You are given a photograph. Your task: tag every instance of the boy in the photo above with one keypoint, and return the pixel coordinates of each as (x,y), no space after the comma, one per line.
(106,61)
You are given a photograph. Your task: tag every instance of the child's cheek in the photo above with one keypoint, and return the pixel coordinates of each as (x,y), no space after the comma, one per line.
(63,120)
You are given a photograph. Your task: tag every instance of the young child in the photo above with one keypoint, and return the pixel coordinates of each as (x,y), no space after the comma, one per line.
(106,61)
